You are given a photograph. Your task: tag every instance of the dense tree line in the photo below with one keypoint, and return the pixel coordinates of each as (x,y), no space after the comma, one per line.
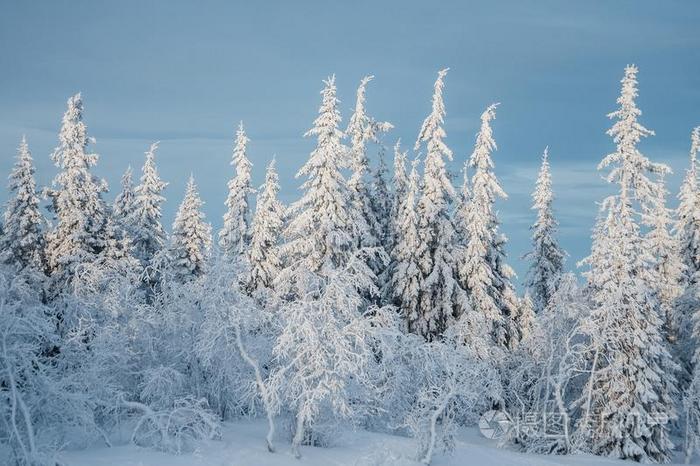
(386,304)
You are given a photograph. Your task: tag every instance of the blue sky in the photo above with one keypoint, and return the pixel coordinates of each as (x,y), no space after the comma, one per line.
(185,73)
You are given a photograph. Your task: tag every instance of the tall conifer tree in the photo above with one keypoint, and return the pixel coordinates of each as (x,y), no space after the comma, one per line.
(80,231)
(234,237)
(190,240)
(482,270)
(22,241)
(633,386)
(441,299)
(148,235)
(546,257)
(263,254)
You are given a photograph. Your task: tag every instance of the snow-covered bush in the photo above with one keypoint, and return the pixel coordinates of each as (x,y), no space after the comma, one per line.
(545,374)
(427,389)
(393,373)
(163,388)
(173,429)
(62,388)
(322,354)
(454,386)
(25,333)
(234,344)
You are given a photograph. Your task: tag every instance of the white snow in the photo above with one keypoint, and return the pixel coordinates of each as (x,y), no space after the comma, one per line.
(243,444)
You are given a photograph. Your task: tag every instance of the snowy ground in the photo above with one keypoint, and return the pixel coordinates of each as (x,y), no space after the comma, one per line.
(242,445)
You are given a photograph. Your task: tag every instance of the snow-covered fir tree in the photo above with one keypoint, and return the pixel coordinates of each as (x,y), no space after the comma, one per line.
(367,223)
(263,254)
(381,201)
(234,237)
(525,317)
(80,212)
(361,130)
(404,272)
(691,407)
(190,240)
(441,299)
(319,235)
(510,302)
(148,235)
(632,380)
(668,268)
(482,272)
(546,258)
(22,239)
(687,233)
(123,209)
(687,226)
(120,228)
(462,208)
(689,352)
(116,258)
(632,172)
(399,189)
(629,168)
(118,254)
(629,394)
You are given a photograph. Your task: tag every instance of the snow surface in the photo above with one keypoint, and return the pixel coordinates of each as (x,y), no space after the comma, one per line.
(243,444)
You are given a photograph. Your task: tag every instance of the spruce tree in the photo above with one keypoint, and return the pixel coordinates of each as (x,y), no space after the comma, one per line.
(667,269)
(633,386)
(147,234)
(687,234)
(361,130)
(319,235)
(404,272)
(123,209)
(400,184)
(116,259)
(400,189)
(628,167)
(234,237)
(525,318)
(263,253)
(509,301)
(687,227)
(190,240)
(80,212)
(367,225)
(22,239)
(546,258)
(381,201)
(482,269)
(462,210)
(441,298)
